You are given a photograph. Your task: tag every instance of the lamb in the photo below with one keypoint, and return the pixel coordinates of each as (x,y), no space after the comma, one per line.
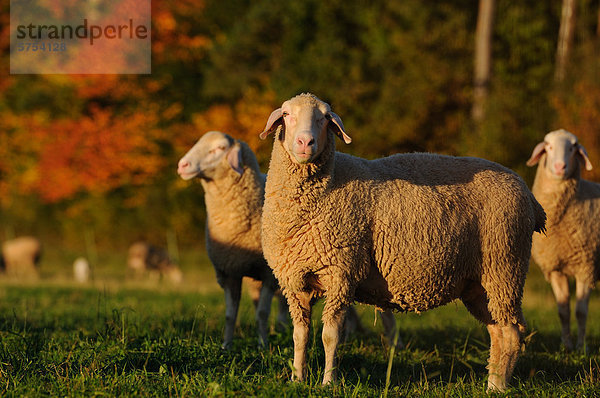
(409,232)
(20,256)
(571,247)
(143,257)
(233,193)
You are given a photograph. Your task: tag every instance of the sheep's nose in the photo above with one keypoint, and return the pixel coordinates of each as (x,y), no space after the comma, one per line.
(559,167)
(183,164)
(304,141)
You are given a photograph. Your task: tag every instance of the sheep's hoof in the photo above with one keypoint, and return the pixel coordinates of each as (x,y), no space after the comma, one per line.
(496,388)
(226,346)
(329,380)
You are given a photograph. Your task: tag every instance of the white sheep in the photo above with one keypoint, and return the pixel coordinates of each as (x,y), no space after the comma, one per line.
(20,256)
(144,257)
(571,247)
(81,269)
(233,194)
(408,232)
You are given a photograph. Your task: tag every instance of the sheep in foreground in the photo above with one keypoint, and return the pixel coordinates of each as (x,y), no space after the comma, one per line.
(234,194)
(144,257)
(408,232)
(571,247)
(20,256)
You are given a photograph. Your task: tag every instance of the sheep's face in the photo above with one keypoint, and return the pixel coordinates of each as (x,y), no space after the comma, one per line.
(305,120)
(212,156)
(563,152)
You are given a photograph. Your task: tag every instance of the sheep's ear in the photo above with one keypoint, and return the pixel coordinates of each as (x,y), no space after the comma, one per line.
(275,120)
(537,153)
(234,158)
(581,150)
(338,127)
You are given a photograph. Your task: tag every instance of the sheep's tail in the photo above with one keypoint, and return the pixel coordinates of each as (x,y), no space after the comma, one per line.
(539,215)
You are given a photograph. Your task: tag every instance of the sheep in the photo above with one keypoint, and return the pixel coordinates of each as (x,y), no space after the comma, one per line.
(143,257)
(409,232)
(20,256)
(81,269)
(233,194)
(571,247)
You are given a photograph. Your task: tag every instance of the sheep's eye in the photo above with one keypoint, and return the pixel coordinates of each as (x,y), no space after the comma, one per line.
(284,114)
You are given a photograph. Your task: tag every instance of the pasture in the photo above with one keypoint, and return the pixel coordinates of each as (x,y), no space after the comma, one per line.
(117,337)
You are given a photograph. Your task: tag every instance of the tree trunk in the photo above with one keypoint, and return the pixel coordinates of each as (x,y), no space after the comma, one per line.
(598,24)
(483,58)
(565,38)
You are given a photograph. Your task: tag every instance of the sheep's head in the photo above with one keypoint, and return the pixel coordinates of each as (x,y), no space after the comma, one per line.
(563,152)
(212,156)
(305,120)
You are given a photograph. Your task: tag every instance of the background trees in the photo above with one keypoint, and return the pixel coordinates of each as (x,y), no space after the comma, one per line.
(100,152)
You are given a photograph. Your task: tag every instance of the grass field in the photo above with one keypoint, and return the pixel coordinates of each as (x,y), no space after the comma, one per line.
(113,337)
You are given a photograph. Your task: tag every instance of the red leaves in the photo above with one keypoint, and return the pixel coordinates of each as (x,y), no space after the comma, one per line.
(96,153)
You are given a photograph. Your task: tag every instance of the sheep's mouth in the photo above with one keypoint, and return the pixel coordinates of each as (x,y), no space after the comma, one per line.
(187,175)
(303,157)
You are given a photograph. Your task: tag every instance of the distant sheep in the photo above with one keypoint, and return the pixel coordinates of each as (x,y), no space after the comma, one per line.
(571,247)
(81,270)
(20,256)
(409,232)
(233,194)
(143,257)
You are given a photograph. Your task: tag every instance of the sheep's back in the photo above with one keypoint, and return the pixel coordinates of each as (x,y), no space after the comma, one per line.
(437,221)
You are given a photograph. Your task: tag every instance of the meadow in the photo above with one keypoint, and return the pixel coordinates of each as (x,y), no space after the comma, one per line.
(120,337)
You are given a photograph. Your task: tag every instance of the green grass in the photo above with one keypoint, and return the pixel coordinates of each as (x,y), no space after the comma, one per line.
(115,337)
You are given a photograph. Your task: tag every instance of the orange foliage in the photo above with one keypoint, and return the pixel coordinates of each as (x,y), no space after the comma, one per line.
(96,153)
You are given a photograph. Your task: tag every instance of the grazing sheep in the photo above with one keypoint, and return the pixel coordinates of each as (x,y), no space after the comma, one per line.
(233,193)
(409,232)
(572,244)
(144,257)
(20,256)
(81,269)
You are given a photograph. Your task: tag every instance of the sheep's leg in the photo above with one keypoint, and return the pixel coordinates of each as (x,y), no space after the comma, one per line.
(511,345)
(495,374)
(300,311)
(390,329)
(263,309)
(504,340)
(334,313)
(254,288)
(560,287)
(233,292)
(283,313)
(581,310)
